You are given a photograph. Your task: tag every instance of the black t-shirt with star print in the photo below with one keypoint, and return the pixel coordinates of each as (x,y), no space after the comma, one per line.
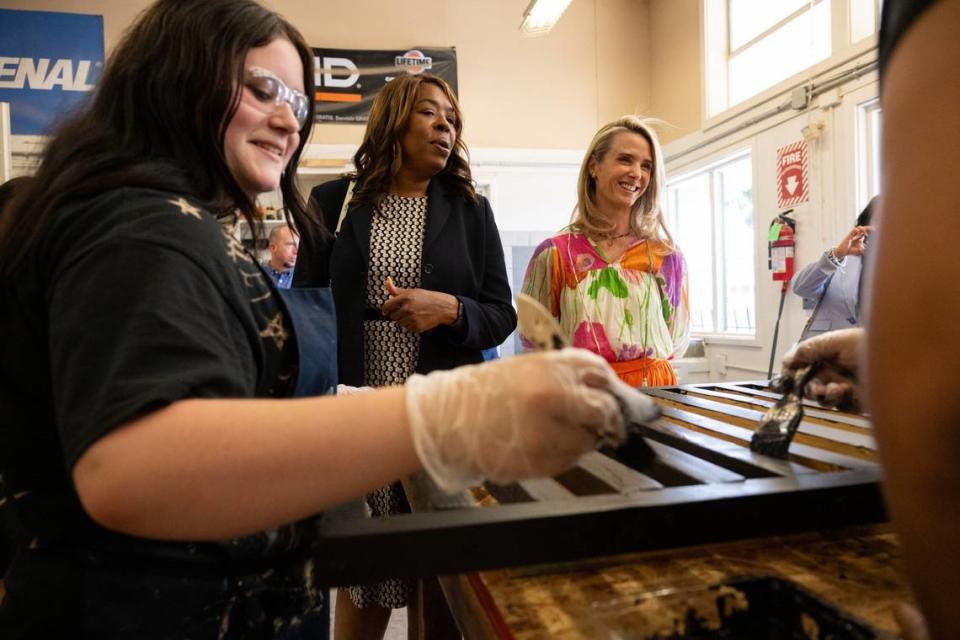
(129,302)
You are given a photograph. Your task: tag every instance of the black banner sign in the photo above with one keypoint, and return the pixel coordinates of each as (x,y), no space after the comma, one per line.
(348,79)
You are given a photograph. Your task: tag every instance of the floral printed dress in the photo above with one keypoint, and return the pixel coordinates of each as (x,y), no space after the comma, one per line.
(634,312)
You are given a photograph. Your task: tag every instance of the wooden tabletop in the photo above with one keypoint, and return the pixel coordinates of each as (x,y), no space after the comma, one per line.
(858,572)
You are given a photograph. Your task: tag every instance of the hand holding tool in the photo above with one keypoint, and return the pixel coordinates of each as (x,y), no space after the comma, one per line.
(541,329)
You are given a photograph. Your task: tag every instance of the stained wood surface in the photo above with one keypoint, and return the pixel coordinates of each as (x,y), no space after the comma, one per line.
(858,571)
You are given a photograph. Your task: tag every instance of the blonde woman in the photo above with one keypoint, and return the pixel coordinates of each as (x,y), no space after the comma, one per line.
(614,278)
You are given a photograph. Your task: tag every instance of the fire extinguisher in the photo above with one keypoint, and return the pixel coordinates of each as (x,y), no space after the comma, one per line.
(780,248)
(780,260)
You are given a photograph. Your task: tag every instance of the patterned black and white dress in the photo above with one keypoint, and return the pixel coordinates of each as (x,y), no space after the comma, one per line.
(390,351)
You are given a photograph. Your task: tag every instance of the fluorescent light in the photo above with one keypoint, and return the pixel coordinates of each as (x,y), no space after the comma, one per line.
(541,15)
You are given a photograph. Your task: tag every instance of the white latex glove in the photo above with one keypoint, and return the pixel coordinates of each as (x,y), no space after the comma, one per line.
(526,416)
(347,390)
(836,383)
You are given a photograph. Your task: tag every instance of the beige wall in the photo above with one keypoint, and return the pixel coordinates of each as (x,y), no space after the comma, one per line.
(675,62)
(546,92)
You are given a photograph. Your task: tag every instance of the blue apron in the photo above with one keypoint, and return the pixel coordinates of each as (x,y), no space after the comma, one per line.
(314,321)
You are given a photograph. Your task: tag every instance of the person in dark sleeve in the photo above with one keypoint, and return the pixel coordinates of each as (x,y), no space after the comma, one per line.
(417,272)
(151,443)
(911,336)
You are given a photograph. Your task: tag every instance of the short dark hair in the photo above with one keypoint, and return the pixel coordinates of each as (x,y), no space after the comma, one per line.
(863,220)
(158,118)
(378,158)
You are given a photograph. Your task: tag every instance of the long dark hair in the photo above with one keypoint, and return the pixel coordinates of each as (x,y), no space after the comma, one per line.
(158,117)
(380,155)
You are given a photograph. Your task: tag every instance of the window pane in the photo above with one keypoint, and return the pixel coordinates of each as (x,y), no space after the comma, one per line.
(797,45)
(690,201)
(735,265)
(863,19)
(874,123)
(750,18)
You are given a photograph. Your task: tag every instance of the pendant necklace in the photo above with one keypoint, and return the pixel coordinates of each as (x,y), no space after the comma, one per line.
(626,233)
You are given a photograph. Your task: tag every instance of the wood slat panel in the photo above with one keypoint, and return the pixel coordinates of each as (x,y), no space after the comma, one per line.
(545,489)
(799,452)
(731,456)
(705,486)
(754,417)
(765,393)
(436,543)
(823,414)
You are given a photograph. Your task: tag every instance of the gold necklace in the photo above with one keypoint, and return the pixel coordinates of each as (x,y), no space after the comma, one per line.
(613,239)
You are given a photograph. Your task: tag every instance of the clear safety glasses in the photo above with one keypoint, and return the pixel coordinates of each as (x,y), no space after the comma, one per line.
(268,89)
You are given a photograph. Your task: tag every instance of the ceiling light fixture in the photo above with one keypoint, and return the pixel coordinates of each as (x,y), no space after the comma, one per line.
(541,15)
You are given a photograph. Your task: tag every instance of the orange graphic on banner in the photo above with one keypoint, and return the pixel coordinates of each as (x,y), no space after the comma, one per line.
(336,97)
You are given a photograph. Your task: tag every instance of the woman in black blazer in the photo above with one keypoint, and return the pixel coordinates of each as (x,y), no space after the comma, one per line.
(416,267)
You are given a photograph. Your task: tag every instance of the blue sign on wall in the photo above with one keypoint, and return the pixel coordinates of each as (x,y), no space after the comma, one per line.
(49,63)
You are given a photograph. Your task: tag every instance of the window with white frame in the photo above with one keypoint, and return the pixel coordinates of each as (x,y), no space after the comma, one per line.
(711,218)
(753,45)
(868,151)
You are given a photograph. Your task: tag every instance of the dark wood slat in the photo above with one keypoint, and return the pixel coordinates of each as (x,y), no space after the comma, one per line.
(507,494)
(820,431)
(692,466)
(833,414)
(761,393)
(621,477)
(737,458)
(756,388)
(744,434)
(545,489)
(362,550)
(820,413)
(580,482)
(658,469)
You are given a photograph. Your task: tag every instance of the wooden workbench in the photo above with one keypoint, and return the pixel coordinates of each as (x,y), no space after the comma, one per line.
(642,595)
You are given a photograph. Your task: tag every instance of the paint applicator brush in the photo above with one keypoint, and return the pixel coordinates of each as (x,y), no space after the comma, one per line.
(780,422)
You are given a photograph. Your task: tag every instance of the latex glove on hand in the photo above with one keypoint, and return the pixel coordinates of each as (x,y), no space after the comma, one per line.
(836,382)
(347,390)
(531,415)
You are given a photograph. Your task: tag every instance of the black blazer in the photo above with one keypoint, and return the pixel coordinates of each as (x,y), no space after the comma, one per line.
(462,255)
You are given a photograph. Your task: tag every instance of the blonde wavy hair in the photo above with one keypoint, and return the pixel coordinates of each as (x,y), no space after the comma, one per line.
(648,214)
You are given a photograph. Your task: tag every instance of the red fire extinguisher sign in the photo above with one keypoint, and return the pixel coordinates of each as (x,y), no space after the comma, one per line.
(792,174)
